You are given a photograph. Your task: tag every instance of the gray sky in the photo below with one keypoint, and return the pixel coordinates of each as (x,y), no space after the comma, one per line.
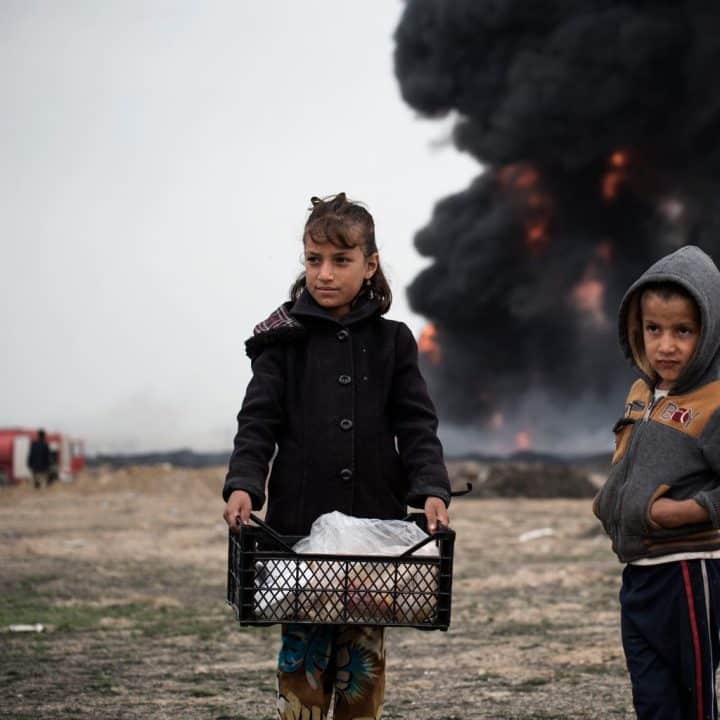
(156,162)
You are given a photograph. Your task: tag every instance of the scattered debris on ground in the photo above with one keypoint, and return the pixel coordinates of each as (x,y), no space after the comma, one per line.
(125,572)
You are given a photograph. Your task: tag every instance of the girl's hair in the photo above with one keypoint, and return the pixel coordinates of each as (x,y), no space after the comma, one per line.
(345,224)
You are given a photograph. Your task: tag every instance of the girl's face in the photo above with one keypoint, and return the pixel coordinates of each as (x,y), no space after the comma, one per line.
(671,331)
(334,275)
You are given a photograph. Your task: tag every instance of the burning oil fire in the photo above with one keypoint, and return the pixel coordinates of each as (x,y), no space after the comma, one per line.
(523,182)
(589,298)
(428,344)
(588,295)
(595,126)
(523,440)
(615,175)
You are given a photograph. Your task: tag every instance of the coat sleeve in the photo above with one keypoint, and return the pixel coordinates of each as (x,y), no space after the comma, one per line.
(261,416)
(415,426)
(710,447)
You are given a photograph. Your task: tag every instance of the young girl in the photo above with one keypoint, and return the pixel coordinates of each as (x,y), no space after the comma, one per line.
(336,387)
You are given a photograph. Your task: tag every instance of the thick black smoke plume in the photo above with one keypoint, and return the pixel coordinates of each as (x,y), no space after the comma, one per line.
(598,126)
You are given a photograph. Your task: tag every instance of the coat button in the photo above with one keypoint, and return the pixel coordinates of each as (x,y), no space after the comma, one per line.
(342,335)
(346,424)
(346,474)
(344,379)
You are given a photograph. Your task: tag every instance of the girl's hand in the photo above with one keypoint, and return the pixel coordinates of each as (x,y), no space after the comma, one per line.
(669,513)
(436,514)
(237,509)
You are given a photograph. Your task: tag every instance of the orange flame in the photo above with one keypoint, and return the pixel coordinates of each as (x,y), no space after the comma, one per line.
(527,178)
(588,295)
(619,159)
(428,344)
(536,229)
(523,181)
(517,175)
(523,440)
(535,235)
(615,175)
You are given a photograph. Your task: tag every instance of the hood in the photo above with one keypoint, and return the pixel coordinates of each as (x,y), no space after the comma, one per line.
(691,268)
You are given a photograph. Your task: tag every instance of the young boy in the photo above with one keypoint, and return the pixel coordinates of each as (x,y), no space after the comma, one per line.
(661,502)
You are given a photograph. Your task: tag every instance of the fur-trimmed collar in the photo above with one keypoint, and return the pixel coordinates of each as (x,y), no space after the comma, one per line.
(279,326)
(283,325)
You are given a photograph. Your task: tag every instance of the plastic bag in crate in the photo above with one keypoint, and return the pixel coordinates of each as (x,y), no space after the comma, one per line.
(402,591)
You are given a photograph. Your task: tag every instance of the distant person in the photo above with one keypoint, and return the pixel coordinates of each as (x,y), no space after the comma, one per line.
(337,387)
(39,460)
(661,502)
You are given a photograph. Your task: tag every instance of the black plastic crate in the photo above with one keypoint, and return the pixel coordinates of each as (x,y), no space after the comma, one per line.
(270,583)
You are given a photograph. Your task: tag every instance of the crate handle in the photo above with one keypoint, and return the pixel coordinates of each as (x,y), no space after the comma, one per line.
(435,536)
(458,493)
(410,517)
(277,538)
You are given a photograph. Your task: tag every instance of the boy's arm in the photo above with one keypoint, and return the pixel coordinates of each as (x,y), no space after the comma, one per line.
(710,447)
(415,426)
(259,419)
(669,513)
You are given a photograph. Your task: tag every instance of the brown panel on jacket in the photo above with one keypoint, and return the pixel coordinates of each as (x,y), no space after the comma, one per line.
(689,413)
(635,405)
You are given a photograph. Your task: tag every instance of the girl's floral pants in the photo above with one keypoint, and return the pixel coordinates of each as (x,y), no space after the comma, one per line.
(320,664)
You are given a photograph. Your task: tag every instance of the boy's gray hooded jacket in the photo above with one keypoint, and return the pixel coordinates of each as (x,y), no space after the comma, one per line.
(669,448)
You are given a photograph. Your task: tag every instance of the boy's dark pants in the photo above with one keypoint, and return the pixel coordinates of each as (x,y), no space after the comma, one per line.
(669,616)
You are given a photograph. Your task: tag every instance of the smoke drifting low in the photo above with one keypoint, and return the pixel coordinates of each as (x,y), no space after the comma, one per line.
(598,126)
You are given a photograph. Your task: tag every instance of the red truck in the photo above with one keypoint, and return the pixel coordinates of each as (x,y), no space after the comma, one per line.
(68,456)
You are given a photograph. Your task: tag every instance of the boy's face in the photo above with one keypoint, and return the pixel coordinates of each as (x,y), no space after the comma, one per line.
(671,330)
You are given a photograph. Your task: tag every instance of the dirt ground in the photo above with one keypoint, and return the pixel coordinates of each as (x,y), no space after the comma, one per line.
(126,570)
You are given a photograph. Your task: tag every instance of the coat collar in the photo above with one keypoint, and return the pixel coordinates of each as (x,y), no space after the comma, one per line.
(287,323)
(306,307)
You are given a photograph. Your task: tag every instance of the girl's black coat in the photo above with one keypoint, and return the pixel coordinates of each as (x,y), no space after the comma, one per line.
(348,409)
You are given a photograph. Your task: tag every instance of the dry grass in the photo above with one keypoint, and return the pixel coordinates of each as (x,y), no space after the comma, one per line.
(127,569)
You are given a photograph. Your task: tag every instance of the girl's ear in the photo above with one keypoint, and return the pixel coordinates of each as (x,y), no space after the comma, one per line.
(371,265)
